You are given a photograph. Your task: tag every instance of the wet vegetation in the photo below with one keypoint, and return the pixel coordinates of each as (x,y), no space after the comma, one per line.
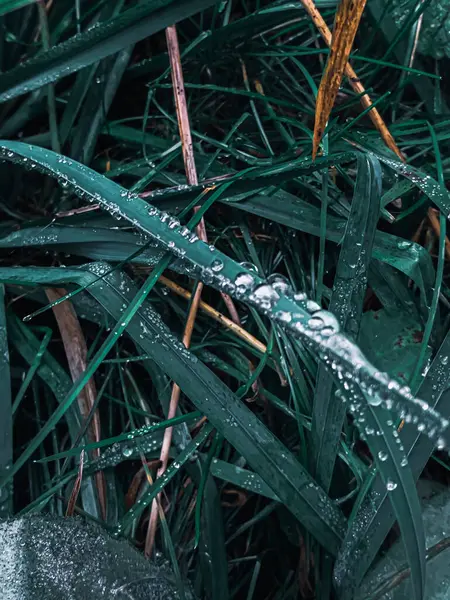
(266,439)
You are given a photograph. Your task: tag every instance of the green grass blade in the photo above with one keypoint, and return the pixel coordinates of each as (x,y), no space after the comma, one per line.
(227,275)
(7,6)
(242,478)
(346,303)
(375,516)
(234,421)
(82,50)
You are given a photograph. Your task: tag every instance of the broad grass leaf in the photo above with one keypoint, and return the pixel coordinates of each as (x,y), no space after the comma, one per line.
(224,273)
(375,516)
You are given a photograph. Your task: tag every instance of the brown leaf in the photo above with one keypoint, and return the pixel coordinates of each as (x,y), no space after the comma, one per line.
(76,352)
(348,16)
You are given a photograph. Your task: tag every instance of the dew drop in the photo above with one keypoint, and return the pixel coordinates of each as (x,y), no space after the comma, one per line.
(217,265)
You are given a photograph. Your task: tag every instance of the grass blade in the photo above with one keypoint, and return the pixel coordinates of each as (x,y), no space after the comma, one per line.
(346,303)
(234,420)
(375,517)
(82,50)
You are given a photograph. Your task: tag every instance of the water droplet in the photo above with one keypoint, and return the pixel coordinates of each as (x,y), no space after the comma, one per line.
(244,283)
(127,451)
(312,306)
(217,265)
(264,296)
(249,266)
(382,455)
(390,485)
(280,284)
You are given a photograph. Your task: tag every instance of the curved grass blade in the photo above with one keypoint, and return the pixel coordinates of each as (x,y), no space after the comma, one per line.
(82,50)
(109,74)
(346,304)
(295,488)
(322,336)
(375,517)
(390,459)
(99,243)
(8,6)
(242,478)
(53,375)
(410,258)
(212,551)
(160,483)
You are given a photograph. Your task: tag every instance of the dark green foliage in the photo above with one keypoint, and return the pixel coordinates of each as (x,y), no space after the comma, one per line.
(298,446)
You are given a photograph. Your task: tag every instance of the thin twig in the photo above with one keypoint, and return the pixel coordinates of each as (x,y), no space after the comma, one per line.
(192,179)
(216,315)
(354,80)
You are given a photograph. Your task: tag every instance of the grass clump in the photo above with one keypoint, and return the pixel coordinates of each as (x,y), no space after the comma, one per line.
(313,376)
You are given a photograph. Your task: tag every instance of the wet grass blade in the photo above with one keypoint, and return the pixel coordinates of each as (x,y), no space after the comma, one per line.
(233,419)
(8,6)
(53,375)
(242,478)
(346,303)
(82,50)
(224,273)
(375,516)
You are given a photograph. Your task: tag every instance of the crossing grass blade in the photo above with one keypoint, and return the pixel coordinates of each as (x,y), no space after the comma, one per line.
(295,417)
(226,413)
(346,303)
(8,6)
(177,240)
